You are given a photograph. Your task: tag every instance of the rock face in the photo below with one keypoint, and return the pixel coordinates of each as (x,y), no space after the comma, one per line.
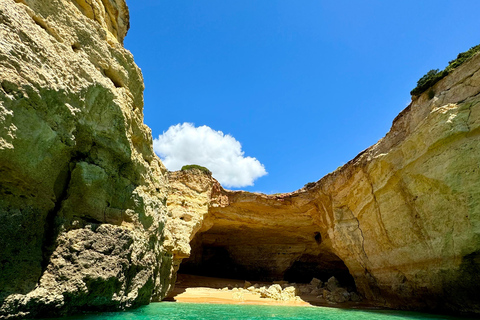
(83,198)
(402,218)
(82,195)
(404,215)
(191,193)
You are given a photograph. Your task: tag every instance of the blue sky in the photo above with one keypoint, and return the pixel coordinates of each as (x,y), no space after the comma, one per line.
(303,86)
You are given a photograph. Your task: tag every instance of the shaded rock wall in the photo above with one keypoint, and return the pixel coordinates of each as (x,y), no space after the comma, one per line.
(82,195)
(404,215)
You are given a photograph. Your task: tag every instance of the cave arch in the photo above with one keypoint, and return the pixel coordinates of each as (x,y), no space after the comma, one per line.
(248,236)
(264,255)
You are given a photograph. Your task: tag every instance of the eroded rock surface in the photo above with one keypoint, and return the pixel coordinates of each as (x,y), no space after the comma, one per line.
(231,236)
(82,195)
(191,193)
(403,216)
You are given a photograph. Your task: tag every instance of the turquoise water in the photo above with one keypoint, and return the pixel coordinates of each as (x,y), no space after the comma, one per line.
(184,311)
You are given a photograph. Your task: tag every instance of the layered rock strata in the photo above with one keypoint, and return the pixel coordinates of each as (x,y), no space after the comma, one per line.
(82,195)
(226,234)
(403,216)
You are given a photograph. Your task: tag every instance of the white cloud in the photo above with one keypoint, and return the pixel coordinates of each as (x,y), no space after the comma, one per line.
(185,144)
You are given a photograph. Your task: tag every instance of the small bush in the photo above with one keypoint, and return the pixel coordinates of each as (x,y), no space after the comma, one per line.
(428,80)
(309,185)
(462,57)
(196,166)
(433,76)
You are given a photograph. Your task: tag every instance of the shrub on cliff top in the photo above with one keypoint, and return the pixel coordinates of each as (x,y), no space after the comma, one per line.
(433,76)
(196,166)
(428,80)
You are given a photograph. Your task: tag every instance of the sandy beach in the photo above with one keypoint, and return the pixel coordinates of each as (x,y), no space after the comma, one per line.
(199,289)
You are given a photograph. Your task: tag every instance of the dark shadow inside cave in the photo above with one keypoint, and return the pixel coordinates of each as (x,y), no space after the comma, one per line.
(215,261)
(253,258)
(322,266)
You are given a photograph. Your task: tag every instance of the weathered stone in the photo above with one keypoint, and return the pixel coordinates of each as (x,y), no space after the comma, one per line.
(264,246)
(273,292)
(338,295)
(332,284)
(355,297)
(190,194)
(316,283)
(315,291)
(304,289)
(82,194)
(325,293)
(289,293)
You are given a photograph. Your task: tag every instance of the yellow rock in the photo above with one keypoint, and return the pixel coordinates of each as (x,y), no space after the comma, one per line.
(83,195)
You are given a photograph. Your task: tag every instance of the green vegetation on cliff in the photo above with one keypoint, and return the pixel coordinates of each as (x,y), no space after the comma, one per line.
(434,75)
(196,166)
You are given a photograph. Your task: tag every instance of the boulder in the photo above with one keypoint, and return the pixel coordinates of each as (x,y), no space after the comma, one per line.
(355,297)
(332,284)
(316,283)
(289,293)
(338,295)
(272,292)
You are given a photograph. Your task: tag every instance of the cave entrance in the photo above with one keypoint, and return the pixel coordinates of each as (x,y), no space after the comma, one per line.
(264,255)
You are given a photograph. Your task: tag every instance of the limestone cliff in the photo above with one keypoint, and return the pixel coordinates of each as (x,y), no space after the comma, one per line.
(402,218)
(83,198)
(191,193)
(404,215)
(82,195)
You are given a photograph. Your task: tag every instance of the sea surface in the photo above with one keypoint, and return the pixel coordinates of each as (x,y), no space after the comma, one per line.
(177,311)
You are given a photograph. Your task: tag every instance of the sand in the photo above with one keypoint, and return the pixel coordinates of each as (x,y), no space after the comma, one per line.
(198,289)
